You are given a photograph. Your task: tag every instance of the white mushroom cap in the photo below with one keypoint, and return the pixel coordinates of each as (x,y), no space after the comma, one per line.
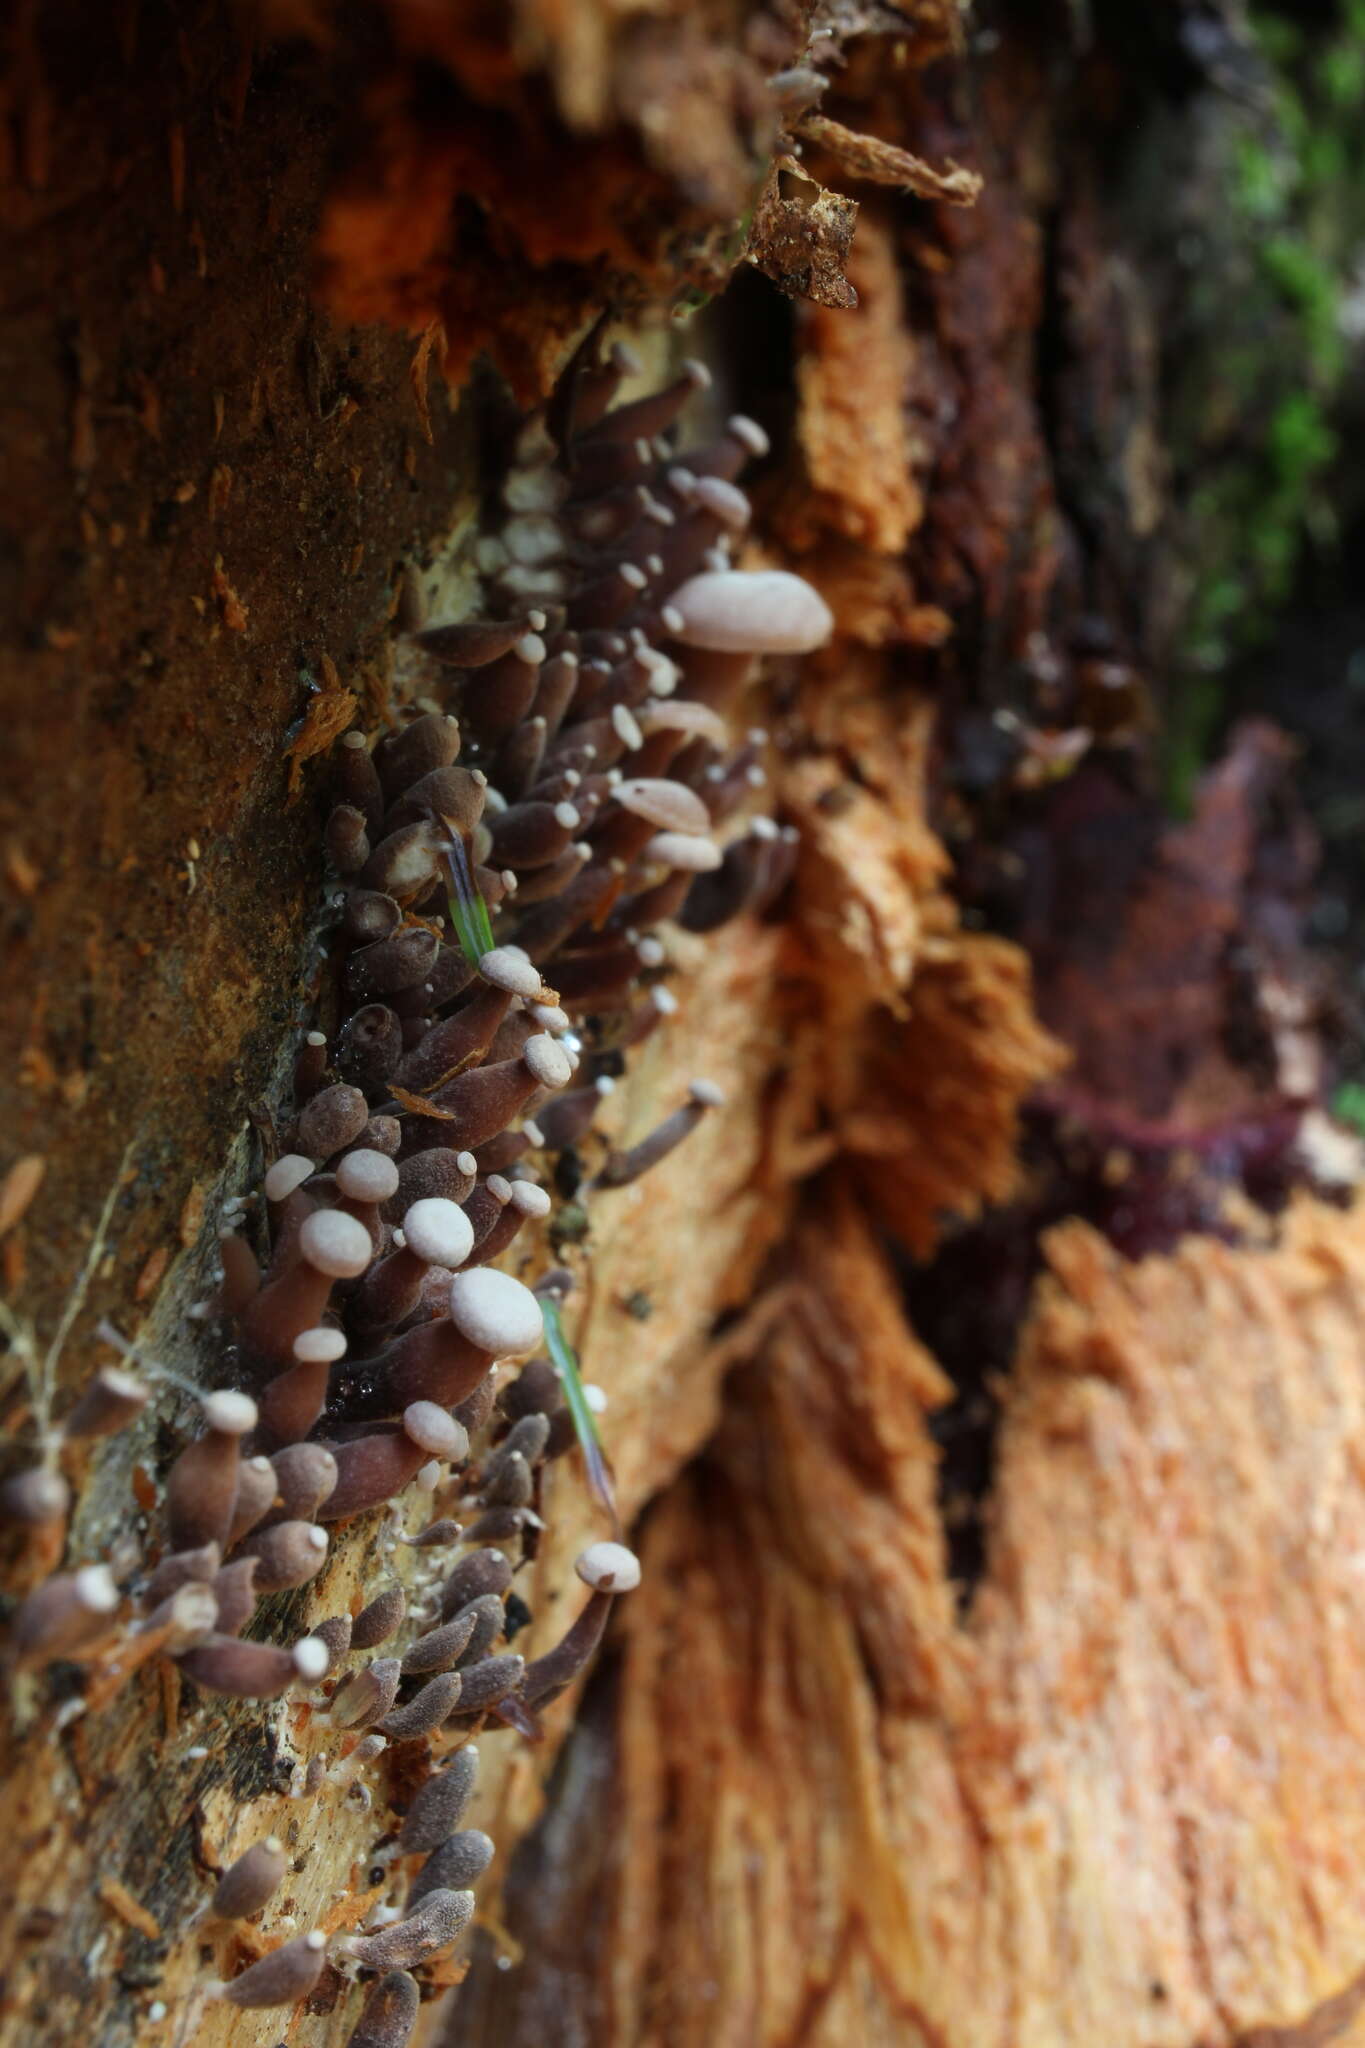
(547,1060)
(608,1568)
(695,856)
(725,501)
(751,611)
(627,729)
(749,432)
(499,1189)
(312,1659)
(367,1176)
(95,1588)
(321,1346)
(530,1199)
(230,1414)
(707,1094)
(684,714)
(672,806)
(335,1243)
(508,968)
(438,1231)
(664,1001)
(432,1429)
(548,1016)
(495,1312)
(286,1174)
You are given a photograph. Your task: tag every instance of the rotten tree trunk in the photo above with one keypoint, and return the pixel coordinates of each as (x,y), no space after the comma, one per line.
(818,1791)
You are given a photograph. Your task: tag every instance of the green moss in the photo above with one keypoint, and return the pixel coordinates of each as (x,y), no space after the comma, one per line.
(1253,414)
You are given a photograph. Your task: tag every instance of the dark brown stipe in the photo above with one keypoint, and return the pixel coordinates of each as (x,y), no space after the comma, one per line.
(453,1865)
(489,1681)
(487,1618)
(284,1977)
(201,1486)
(390,2013)
(623,1167)
(425,1710)
(473,643)
(235,1590)
(335,1635)
(441,1648)
(64,1616)
(112,1400)
(439,1804)
(36,1498)
(356,781)
(289,1554)
(255,1495)
(251,1882)
(432,741)
(377,1622)
(367,1695)
(483,1574)
(443,1916)
(251,1670)
(304,1476)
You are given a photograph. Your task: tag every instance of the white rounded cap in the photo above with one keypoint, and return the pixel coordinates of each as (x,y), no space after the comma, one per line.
(680,850)
(707,1094)
(530,1199)
(752,611)
(286,1174)
(724,501)
(672,806)
(438,1231)
(547,1060)
(608,1568)
(508,968)
(335,1243)
(312,1659)
(432,1429)
(230,1414)
(499,1189)
(321,1346)
(367,1176)
(495,1312)
(685,714)
(95,1588)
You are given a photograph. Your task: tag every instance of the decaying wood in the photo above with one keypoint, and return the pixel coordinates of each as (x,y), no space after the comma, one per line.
(1119,1801)
(815,1793)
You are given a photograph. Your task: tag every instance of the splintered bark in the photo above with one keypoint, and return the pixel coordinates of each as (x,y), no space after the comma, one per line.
(1118,1800)
(980,1381)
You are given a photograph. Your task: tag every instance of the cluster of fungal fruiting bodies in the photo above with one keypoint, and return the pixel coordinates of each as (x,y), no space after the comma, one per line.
(502,857)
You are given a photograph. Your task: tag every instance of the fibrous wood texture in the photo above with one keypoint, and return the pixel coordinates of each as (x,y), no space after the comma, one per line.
(1119,1800)
(817,1793)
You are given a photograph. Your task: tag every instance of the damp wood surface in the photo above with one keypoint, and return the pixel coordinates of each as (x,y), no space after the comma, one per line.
(816,1793)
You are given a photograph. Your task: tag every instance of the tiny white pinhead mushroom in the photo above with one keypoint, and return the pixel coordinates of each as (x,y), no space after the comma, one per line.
(547,1060)
(312,1658)
(322,1346)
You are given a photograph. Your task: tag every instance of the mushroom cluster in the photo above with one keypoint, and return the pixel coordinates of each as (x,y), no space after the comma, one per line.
(501,859)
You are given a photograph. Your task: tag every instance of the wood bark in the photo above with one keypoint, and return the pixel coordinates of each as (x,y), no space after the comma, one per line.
(816,1791)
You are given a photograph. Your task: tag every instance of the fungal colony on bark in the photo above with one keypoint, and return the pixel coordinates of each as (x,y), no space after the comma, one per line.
(498,863)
